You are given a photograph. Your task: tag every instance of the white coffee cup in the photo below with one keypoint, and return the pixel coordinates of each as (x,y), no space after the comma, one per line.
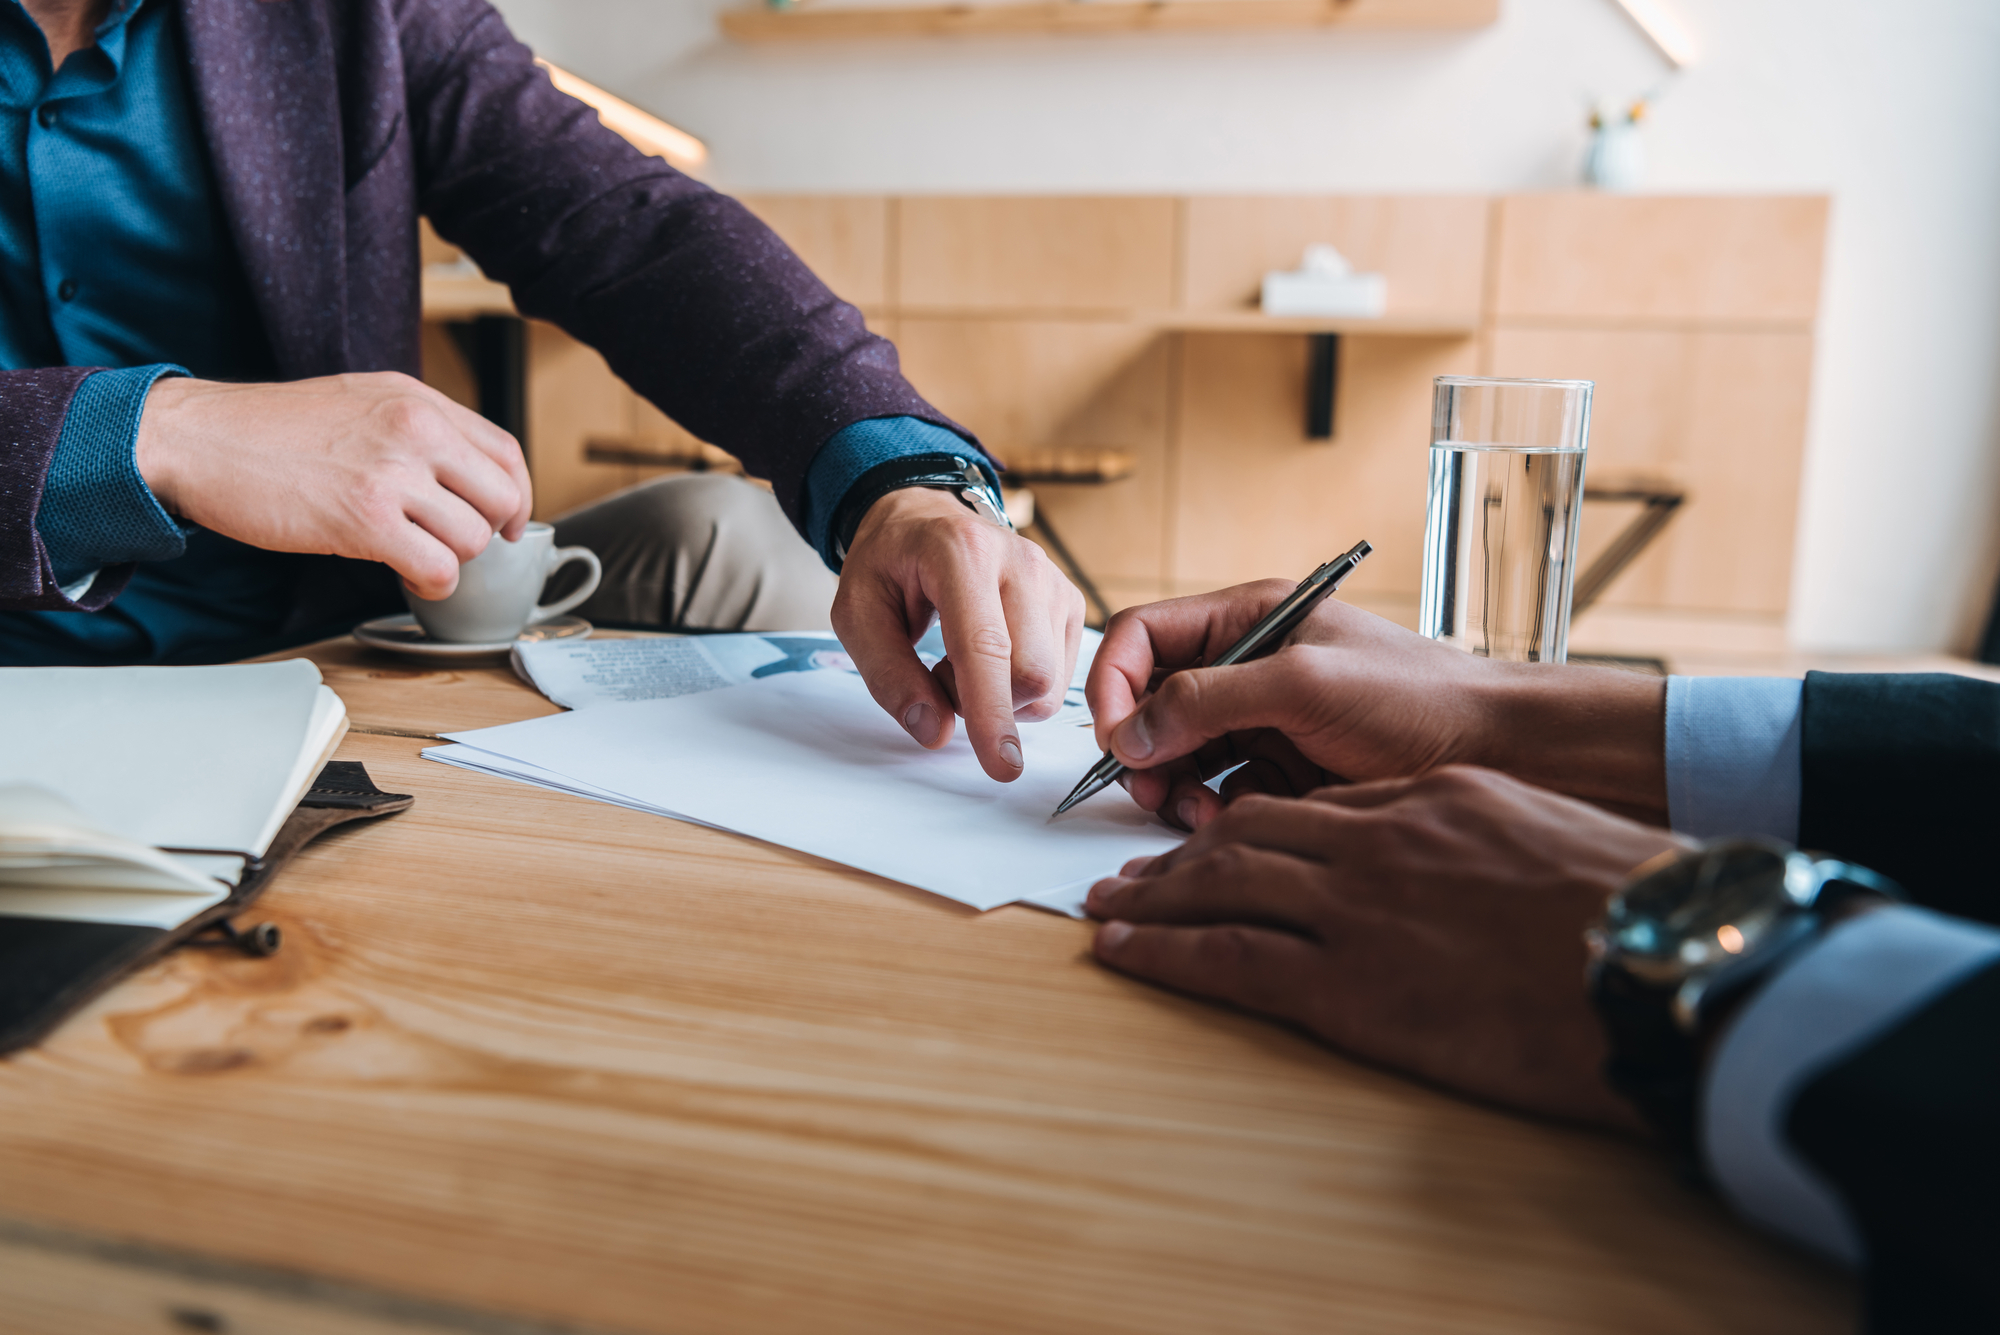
(497,589)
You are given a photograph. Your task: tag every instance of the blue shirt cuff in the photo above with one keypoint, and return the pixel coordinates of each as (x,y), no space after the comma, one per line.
(1865,976)
(1733,756)
(860,446)
(96,509)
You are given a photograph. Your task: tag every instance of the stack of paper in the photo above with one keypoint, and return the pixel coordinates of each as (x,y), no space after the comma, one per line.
(810,761)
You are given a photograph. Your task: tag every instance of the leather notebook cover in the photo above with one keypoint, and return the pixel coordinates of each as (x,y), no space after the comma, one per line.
(49,967)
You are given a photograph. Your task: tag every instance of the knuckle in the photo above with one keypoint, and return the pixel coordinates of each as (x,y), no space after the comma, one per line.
(378,499)
(1254,804)
(1456,782)
(1033,682)
(1182,693)
(1227,862)
(467,540)
(1223,949)
(989,642)
(1273,591)
(1119,621)
(406,419)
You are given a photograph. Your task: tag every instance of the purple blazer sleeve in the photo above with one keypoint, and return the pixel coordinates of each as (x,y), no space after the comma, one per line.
(693,302)
(32,407)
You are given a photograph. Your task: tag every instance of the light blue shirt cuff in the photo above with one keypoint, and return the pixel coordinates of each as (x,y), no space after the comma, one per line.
(1864,977)
(1733,756)
(96,509)
(853,450)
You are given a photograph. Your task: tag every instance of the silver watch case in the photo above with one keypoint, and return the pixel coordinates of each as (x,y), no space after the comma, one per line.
(1693,922)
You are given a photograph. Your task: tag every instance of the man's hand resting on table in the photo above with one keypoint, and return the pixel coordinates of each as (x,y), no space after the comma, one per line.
(1011,623)
(1434,925)
(376,466)
(1354,698)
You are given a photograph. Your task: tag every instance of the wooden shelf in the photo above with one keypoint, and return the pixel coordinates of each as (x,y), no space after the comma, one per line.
(1100,16)
(1207,322)
(1255,322)
(454,296)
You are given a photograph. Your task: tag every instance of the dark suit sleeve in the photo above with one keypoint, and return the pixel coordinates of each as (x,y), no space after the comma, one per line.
(33,405)
(694,302)
(1904,1129)
(1901,773)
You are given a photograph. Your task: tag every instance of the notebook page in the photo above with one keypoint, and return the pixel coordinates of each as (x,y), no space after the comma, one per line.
(323,733)
(201,757)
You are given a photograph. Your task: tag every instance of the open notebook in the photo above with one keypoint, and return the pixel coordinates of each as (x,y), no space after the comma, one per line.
(103,768)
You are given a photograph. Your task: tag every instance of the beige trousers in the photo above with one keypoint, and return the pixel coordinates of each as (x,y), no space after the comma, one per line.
(704,551)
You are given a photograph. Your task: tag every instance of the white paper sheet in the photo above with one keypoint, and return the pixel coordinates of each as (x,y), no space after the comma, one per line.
(810,761)
(485,762)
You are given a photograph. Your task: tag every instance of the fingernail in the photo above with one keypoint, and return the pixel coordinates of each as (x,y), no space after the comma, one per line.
(1186,811)
(1010,751)
(922,722)
(1113,935)
(1135,738)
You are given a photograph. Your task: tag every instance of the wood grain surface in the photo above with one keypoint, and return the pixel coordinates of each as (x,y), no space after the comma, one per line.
(536,1059)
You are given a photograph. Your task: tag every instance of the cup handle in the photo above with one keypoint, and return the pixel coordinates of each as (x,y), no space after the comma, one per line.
(559,558)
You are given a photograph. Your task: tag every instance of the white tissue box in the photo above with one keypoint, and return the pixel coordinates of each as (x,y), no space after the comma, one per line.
(1352,296)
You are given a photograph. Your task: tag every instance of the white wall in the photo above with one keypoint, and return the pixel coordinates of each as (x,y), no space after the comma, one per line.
(1892,108)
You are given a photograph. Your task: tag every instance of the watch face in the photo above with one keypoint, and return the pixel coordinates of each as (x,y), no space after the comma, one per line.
(1700,912)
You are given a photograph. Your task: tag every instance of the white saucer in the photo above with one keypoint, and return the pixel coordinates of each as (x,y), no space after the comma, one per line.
(402,635)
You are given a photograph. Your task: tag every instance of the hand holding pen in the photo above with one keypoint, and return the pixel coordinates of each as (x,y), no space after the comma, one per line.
(1266,636)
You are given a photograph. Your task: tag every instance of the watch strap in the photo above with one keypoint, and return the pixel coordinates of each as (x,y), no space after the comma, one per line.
(1653,1064)
(961,473)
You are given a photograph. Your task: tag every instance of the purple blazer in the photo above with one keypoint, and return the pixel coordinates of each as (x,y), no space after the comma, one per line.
(332,124)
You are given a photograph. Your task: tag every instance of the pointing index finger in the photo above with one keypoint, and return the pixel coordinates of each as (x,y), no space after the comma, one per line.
(981,651)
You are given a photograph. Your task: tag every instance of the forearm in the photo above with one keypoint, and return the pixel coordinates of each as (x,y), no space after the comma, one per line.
(692,301)
(1598,734)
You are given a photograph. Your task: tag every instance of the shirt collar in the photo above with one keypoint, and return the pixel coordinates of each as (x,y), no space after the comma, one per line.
(111,32)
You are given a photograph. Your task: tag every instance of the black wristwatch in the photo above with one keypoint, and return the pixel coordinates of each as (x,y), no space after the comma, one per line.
(970,478)
(1686,939)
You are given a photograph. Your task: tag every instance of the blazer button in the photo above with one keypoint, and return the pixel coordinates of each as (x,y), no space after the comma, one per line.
(46,116)
(66,290)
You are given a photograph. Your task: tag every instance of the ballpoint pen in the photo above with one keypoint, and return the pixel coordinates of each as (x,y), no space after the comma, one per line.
(1261,639)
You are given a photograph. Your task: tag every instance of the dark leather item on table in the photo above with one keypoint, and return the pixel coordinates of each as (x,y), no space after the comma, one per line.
(50,968)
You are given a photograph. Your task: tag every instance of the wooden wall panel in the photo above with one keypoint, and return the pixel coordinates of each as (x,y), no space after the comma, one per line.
(1432,248)
(1078,255)
(445,367)
(1723,414)
(843,238)
(572,396)
(1255,498)
(1642,258)
(1023,382)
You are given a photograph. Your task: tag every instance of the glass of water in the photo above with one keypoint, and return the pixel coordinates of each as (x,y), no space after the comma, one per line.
(1506,491)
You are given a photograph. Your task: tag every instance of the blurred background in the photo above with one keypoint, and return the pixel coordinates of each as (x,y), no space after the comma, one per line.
(1790,297)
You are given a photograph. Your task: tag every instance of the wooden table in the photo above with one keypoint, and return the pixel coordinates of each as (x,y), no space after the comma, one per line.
(529,1063)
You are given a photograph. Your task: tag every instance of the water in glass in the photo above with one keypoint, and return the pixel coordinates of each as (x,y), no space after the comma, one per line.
(1500,545)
